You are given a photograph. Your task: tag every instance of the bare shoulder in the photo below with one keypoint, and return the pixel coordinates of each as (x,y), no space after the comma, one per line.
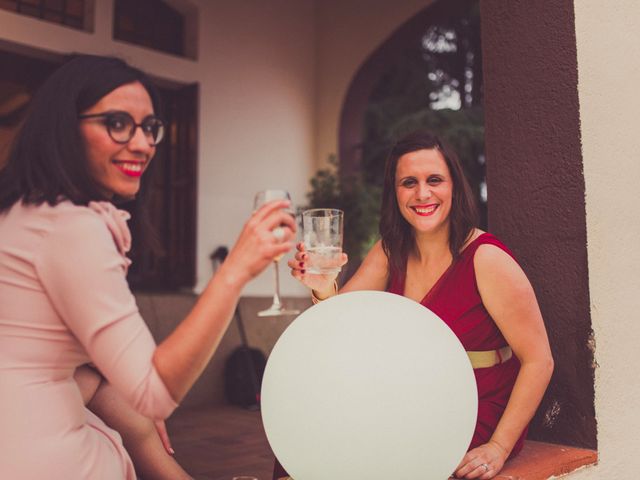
(495,266)
(376,254)
(373,273)
(376,262)
(475,233)
(488,252)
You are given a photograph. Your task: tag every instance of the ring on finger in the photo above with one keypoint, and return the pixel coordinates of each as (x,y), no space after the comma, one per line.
(485,466)
(278,234)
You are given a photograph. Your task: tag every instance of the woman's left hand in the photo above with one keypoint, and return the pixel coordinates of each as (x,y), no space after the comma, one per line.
(483,462)
(161,428)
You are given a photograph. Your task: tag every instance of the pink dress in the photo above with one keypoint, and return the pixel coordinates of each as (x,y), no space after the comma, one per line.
(64,302)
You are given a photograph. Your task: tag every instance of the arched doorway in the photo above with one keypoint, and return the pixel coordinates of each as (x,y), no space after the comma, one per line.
(427,74)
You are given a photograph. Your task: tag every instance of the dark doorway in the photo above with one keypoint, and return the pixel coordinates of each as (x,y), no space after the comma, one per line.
(20,77)
(172,198)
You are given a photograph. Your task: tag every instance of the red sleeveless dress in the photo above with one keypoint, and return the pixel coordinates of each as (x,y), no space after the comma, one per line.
(456,300)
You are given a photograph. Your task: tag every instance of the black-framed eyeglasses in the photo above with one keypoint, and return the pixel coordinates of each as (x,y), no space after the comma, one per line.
(121,126)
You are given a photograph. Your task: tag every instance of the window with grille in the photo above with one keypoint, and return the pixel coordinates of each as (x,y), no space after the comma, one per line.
(150,23)
(71,13)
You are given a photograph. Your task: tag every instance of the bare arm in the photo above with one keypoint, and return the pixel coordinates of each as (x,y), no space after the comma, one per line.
(511,302)
(88,381)
(139,434)
(183,355)
(106,320)
(372,274)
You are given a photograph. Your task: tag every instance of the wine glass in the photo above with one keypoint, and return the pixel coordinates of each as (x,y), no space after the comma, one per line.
(276,309)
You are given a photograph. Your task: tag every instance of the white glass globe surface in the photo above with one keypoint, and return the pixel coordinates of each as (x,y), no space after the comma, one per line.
(369,386)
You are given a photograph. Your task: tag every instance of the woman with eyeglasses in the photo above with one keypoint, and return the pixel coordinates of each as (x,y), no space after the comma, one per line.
(71,335)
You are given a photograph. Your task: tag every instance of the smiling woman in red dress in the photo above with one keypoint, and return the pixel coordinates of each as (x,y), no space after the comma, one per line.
(431,251)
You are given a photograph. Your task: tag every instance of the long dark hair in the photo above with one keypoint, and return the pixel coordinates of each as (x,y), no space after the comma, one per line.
(47,160)
(398,239)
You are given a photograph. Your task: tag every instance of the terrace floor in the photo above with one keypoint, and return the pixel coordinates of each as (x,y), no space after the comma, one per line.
(221,442)
(218,443)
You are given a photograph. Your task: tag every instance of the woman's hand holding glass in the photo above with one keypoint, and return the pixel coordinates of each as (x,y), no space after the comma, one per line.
(267,235)
(321,283)
(276,309)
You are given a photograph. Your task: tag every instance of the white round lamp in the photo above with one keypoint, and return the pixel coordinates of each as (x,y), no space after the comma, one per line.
(369,386)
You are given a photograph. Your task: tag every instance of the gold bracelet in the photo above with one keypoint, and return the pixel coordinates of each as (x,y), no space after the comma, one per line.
(317,300)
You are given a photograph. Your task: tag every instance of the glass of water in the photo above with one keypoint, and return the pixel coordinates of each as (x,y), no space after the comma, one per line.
(322,235)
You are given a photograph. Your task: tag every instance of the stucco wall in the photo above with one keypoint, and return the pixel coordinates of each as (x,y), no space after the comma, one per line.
(608,36)
(257,117)
(536,191)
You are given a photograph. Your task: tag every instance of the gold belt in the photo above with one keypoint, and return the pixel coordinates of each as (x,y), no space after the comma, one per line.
(490,358)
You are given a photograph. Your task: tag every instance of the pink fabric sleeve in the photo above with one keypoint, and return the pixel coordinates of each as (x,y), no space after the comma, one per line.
(83,275)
